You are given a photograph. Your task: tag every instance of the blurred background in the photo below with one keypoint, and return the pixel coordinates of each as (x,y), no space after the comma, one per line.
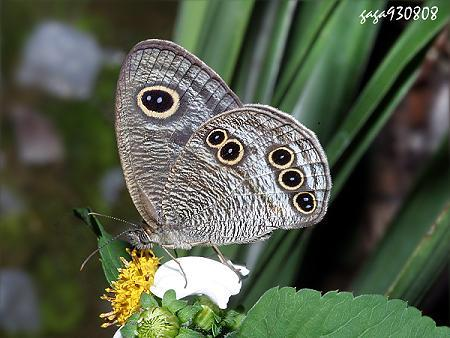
(377,95)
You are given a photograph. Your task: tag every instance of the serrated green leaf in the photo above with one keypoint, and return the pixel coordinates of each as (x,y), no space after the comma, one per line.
(306,313)
(147,300)
(170,302)
(110,250)
(189,333)
(187,313)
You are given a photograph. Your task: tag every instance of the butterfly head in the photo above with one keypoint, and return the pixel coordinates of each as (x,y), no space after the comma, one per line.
(139,239)
(142,237)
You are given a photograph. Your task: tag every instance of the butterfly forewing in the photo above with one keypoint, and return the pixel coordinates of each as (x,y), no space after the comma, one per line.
(164,95)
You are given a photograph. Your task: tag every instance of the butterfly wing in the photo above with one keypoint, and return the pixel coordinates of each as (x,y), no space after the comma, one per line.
(243,174)
(164,94)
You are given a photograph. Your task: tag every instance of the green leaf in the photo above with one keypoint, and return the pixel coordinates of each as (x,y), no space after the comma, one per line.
(171,302)
(306,313)
(129,329)
(396,255)
(188,313)
(147,300)
(333,69)
(311,19)
(110,249)
(188,333)
(427,260)
(417,35)
(382,113)
(276,42)
(190,24)
(232,320)
(224,35)
(264,47)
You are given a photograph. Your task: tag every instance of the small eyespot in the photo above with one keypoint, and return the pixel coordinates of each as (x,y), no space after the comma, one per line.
(305,202)
(281,157)
(216,138)
(290,179)
(231,152)
(158,101)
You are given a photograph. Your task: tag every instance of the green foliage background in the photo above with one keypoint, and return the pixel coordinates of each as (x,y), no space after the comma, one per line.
(309,58)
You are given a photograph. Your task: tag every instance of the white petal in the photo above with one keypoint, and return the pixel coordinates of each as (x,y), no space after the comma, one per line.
(204,276)
(118,334)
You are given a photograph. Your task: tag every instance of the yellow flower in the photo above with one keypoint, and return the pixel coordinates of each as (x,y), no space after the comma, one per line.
(134,278)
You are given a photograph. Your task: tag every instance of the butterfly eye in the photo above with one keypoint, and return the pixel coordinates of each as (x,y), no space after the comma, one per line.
(216,138)
(158,101)
(281,157)
(305,202)
(231,152)
(290,179)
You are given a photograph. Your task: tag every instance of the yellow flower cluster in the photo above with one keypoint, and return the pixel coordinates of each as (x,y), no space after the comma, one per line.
(134,278)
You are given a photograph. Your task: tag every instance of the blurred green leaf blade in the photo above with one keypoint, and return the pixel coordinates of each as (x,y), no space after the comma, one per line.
(428,258)
(381,116)
(325,84)
(417,35)
(424,206)
(278,264)
(190,24)
(223,35)
(306,27)
(271,61)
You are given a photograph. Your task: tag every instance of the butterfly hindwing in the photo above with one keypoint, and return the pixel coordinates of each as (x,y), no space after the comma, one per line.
(243,174)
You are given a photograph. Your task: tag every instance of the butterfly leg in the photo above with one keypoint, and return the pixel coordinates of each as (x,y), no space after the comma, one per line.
(176,260)
(226,262)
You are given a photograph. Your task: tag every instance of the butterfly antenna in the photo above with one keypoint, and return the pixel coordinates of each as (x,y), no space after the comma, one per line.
(101,247)
(179,264)
(88,258)
(114,218)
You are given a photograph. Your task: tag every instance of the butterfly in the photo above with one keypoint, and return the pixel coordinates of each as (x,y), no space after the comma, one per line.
(201,167)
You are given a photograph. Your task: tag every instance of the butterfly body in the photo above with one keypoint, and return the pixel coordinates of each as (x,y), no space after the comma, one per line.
(201,167)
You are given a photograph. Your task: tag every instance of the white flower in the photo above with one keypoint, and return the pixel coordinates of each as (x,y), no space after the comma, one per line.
(204,276)
(118,334)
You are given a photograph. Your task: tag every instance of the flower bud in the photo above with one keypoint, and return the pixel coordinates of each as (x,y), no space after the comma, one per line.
(208,316)
(233,320)
(157,322)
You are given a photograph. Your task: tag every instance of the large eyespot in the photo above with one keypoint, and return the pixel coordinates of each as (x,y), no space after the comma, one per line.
(231,152)
(290,179)
(281,157)
(216,138)
(305,202)
(158,101)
